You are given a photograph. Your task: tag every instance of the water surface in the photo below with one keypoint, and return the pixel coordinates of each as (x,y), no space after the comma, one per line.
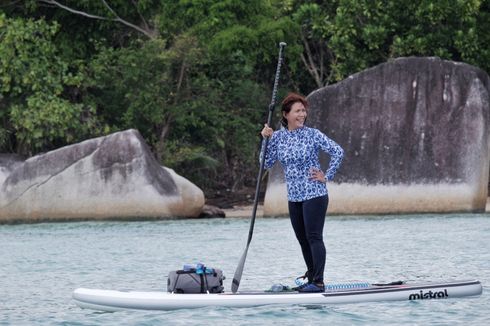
(41,264)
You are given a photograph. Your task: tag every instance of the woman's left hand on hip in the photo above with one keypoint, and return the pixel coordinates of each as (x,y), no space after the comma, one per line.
(318,175)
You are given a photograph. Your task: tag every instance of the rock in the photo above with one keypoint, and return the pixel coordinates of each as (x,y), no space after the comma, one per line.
(209,211)
(8,163)
(108,177)
(415,135)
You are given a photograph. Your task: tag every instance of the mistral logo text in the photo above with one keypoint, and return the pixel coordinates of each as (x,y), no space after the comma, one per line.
(428,295)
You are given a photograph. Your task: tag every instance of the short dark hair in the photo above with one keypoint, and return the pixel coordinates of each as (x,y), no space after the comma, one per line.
(288,102)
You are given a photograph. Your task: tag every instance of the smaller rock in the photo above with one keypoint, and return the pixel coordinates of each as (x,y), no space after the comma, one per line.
(209,211)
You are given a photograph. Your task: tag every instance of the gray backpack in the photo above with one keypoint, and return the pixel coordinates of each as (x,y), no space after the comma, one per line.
(196,280)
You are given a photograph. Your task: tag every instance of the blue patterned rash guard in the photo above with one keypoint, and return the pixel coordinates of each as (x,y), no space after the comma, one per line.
(298,151)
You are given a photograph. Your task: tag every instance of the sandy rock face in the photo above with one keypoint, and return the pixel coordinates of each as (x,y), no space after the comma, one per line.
(115,176)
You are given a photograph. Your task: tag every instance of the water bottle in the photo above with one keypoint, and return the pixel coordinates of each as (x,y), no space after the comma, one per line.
(200,268)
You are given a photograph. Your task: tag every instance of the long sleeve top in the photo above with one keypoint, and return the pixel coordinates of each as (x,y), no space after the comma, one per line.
(298,151)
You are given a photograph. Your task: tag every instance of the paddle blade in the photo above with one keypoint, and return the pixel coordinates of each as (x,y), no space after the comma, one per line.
(238,272)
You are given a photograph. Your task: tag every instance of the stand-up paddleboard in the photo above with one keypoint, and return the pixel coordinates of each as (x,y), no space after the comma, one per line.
(110,300)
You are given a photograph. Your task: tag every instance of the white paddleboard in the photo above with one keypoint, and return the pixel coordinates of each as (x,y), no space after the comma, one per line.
(111,300)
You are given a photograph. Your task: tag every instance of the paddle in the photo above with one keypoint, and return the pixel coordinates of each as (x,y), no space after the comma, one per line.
(239,270)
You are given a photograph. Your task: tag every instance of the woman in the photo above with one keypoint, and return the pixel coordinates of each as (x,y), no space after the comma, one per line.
(297,147)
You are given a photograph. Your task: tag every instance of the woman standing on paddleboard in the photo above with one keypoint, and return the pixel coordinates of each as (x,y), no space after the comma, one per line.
(297,147)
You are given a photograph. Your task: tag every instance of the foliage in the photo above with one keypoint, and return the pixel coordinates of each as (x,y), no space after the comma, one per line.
(195,76)
(352,35)
(34,85)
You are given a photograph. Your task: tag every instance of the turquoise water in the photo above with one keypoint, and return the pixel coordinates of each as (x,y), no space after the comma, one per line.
(41,264)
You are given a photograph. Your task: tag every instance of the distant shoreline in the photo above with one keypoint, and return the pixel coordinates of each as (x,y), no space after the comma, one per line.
(246,210)
(243,211)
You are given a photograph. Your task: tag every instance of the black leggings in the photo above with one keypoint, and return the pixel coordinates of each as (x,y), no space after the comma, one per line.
(308,219)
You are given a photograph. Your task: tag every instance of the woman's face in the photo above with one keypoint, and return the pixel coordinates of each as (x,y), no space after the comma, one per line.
(296,117)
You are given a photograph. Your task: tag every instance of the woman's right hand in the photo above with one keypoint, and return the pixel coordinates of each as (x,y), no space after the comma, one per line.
(267,131)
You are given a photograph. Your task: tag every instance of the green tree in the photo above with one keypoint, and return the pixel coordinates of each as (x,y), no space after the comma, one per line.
(34,88)
(149,87)
(239,42)
(346,36)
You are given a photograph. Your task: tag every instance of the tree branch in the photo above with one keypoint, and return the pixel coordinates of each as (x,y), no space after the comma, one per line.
(74,11)
(109,8)
(181,76)
(147,32)
(10,4)
(310,64)
(141,16)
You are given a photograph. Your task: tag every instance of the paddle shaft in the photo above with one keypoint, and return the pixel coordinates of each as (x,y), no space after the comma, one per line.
(238,272)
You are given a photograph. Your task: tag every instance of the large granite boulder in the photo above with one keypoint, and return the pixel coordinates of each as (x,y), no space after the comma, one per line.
(415,135)
(108,177)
